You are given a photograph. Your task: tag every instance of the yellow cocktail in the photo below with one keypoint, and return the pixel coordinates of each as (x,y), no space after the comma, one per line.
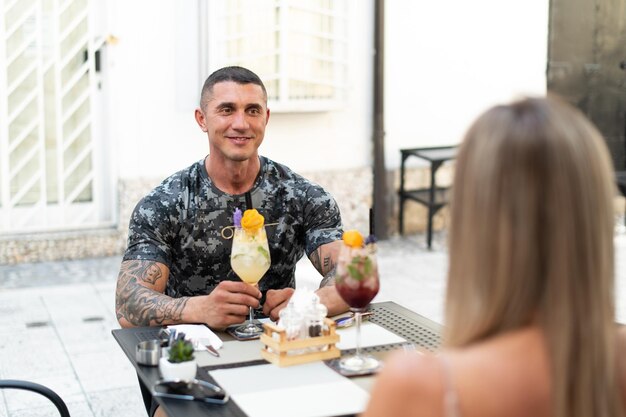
(250,259)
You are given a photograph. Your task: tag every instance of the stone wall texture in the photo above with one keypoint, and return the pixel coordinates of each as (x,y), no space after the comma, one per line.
(352,190)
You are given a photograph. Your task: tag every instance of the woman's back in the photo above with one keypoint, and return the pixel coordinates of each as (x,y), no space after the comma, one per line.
(507,375)
(530,247)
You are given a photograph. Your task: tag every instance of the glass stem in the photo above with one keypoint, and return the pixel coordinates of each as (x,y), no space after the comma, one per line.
(357,318)
(251,315)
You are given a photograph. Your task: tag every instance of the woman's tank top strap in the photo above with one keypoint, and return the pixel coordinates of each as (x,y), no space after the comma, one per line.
(450,397)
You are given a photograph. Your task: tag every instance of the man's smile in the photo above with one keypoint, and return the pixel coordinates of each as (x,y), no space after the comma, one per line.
(239,139)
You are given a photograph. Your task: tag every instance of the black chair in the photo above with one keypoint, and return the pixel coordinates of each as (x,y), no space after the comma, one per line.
(39,389)
(620,179)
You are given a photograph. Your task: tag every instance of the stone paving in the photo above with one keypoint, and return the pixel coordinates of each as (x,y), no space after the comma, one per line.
(56,320)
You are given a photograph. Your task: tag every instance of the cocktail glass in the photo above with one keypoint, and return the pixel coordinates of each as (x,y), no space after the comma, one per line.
(357,283)
(250,259)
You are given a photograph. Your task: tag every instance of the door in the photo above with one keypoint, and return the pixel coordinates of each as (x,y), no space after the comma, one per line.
(587,64)
(52,167)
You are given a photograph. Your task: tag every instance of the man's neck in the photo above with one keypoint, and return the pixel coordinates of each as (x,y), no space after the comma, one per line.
(233,177)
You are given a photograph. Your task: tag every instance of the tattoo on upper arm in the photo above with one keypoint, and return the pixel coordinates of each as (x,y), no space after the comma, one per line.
(140,305)
(322,262)
(151,274)
(315,259)
(327,263)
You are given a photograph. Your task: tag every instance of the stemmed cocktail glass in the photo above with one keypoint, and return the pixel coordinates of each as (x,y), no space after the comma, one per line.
(250,259)
(357,283)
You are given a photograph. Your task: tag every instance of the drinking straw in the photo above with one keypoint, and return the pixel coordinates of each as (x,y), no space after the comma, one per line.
(249,201)
(371,221)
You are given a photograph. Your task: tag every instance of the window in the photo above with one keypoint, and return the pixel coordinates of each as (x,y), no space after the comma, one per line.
(297,47)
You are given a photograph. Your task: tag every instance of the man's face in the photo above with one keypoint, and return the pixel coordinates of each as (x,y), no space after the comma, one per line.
(235,118)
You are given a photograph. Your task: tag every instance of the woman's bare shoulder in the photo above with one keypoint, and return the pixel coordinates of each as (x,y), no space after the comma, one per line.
(409,385)
(413,384)
(514,364)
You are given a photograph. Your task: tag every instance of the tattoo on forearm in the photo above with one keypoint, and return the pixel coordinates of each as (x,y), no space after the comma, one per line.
(143,306)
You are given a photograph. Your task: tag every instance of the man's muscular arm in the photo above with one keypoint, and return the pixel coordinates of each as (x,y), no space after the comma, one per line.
(139,298)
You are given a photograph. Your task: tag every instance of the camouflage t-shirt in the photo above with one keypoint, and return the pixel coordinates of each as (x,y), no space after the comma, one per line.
(181,224)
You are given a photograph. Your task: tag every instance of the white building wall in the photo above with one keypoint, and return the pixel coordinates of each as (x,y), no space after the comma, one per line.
(157,135)
(447,61)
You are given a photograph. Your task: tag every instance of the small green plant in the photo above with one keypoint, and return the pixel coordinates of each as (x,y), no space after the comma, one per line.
(181,350)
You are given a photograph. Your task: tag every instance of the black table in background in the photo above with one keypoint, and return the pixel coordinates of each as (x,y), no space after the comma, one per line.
(433,197)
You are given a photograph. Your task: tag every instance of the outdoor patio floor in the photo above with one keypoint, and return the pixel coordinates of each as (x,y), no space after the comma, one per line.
(56,320)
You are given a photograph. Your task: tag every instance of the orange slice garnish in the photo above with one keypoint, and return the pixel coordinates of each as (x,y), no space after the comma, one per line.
(353,238)
(252,220)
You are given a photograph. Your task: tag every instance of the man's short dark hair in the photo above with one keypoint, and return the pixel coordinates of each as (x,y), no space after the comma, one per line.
(236,74)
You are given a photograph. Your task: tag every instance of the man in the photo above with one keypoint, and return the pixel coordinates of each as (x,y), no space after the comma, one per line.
(176,268)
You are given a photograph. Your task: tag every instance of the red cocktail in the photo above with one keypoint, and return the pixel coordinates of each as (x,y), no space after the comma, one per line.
(357,278)
(357,283)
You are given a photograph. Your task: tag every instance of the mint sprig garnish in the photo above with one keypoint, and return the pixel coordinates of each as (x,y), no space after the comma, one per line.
(263,252)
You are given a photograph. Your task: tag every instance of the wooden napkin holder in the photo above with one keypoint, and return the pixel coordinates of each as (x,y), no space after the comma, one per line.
(282,352)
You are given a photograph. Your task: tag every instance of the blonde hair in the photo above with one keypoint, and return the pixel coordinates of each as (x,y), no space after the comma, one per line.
(531,240)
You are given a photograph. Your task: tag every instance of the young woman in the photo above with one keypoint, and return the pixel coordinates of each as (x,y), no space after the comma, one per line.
(530,325)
